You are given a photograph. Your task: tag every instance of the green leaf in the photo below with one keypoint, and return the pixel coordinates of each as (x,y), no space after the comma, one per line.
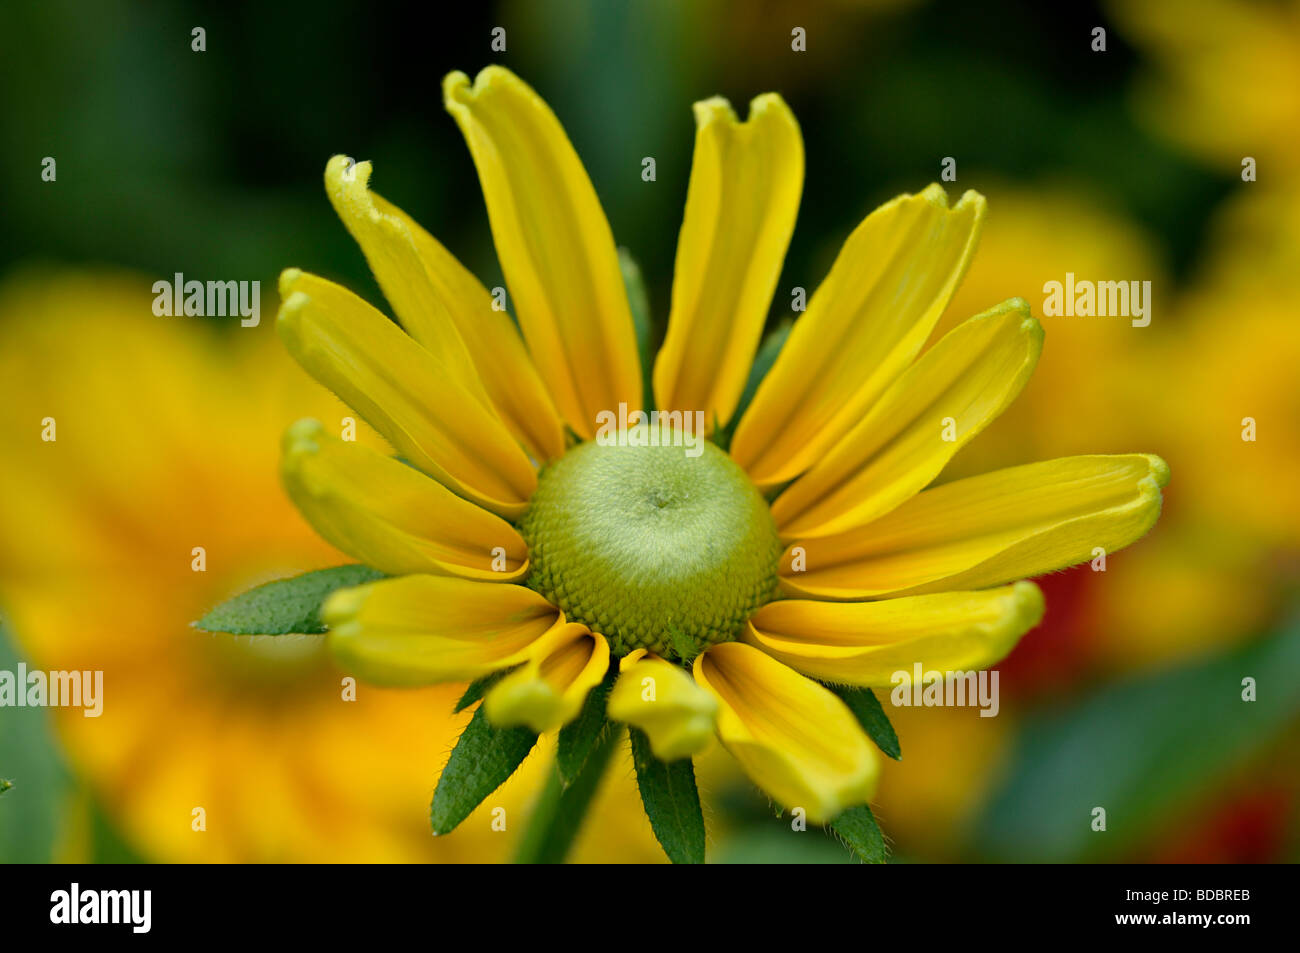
(560,811)
(871,715)
(767,354)
(285,606)
(642,322)
(858,829)
(780,845)
(484,757)
(34,811)
(1149,750)
(671,801)
(479,687)
(580,737)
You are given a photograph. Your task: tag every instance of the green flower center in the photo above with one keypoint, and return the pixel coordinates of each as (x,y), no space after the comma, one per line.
(667,548)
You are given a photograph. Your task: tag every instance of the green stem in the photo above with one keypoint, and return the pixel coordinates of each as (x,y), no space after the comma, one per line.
(560,811)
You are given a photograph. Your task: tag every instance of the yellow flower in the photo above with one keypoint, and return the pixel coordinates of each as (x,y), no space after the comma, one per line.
(165,441)
(639,536)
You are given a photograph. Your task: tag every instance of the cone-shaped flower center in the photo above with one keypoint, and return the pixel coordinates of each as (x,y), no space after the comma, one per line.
(669,547)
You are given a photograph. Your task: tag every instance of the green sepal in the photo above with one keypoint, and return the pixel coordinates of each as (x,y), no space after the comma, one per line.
(871,716)
(858,829)
(642,323)
(286,605)
(580,737)
(671,800)
(484,757)
(767,354)
(683,646)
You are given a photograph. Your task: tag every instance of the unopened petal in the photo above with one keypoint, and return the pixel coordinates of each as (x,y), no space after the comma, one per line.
(664,701)
(548,690)
(421,630)
(794,738)
(869,643)
(390,516)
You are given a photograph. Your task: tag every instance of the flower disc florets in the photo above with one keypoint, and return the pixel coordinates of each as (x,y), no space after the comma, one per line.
(668,548)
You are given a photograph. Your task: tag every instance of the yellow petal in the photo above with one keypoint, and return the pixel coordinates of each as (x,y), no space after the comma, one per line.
(891,281)
(664,701)
(794,738)
(867,643)
(419,630)
(548,690)
(390,251)
(986,530)
(740,210)
(404,393)
(447,309)
(554,244)
(631,658)
(933,410)
(392,517)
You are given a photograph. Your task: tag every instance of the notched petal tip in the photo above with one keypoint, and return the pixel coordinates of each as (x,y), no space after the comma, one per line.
(289,318)
(348,182)
(1017,306)
(1028,323)
(454,87)
(457,90)
(765,102)
(971,203)
(972,198)
(1151,492)
(714,109)
(934,193)
(1033,328)
(1028,605)
(762,107)
(345,169)
(288,278)
(937,195)
(1159,477)
(291,309)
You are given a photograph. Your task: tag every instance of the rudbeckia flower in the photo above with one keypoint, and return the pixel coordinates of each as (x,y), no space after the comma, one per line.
(746,586)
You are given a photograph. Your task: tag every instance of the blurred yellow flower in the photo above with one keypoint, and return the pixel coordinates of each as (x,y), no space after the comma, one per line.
(1223,77)
(166,440)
